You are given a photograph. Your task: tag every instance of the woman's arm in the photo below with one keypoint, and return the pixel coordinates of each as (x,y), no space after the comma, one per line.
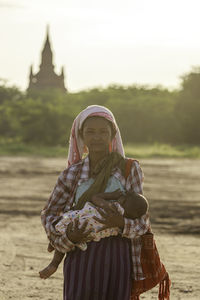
(59,202)
(53,210)
(134,182)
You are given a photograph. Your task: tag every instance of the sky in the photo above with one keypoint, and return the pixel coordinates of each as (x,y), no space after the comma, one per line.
(101,42)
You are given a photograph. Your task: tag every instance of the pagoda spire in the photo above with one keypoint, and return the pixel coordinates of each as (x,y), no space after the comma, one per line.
(62,74)
(31,71)
(31,76)
(46,78)
(47,42)
(47,55)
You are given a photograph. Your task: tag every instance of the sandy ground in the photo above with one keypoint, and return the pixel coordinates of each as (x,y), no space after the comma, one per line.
(173,190)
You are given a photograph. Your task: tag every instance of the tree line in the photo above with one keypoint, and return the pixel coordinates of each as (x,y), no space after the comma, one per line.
(144,114)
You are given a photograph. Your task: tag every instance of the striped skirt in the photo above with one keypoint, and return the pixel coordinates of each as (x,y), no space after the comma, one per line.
(102,272)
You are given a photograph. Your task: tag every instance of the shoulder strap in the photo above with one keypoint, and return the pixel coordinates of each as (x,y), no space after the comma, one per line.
(129,162)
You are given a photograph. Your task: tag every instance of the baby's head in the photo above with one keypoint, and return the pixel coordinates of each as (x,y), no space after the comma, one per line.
(135,205)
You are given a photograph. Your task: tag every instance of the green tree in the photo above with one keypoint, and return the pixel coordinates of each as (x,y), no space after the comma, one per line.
(188,108)
(9,97)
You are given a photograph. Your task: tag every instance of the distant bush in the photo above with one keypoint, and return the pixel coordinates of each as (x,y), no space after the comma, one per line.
(144,114)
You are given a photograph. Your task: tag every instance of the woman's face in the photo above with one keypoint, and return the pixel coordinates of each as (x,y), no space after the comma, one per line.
(97,134)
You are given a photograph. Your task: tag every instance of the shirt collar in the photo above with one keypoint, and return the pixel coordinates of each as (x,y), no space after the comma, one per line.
(86,168)
(84,176)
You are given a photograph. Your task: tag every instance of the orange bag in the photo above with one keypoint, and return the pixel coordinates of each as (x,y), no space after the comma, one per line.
(153,269)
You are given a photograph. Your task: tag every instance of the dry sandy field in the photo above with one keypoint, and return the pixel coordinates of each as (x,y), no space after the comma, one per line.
(171,186)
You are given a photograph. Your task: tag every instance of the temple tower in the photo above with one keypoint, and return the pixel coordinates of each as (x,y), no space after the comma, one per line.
(46,78)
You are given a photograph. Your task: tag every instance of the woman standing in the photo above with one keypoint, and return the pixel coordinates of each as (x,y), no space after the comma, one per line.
(108,268)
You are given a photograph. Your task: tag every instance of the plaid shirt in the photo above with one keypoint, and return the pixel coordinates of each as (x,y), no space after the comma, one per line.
(62,197)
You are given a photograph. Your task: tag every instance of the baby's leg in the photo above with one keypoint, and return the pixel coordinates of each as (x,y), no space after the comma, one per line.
(50,248)
(112,195)
(52,267)
(100,200)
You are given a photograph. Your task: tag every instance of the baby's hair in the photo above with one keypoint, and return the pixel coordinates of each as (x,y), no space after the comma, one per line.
(140,204)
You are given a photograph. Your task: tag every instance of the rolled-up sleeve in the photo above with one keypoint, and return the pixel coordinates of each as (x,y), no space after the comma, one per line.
(137,227)
(134,182)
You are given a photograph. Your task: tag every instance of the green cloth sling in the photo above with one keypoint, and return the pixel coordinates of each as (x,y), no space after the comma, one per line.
(103,172)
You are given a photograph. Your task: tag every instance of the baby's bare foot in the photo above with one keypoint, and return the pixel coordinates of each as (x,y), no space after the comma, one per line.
(48,271)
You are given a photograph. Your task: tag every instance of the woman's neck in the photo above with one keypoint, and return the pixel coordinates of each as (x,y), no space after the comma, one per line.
(95,157)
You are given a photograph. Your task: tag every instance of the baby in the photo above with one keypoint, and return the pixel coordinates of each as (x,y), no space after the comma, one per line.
(131,205)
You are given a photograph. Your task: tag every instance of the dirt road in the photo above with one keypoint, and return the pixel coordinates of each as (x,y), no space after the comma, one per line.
(173,190)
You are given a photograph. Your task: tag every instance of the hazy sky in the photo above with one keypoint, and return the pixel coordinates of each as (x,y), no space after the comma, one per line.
(101,42)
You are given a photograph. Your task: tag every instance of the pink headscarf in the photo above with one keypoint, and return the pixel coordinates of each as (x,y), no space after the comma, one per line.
(76,145)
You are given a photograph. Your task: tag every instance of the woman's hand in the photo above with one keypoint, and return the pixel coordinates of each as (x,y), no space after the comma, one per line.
(110,217)
(77,234)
